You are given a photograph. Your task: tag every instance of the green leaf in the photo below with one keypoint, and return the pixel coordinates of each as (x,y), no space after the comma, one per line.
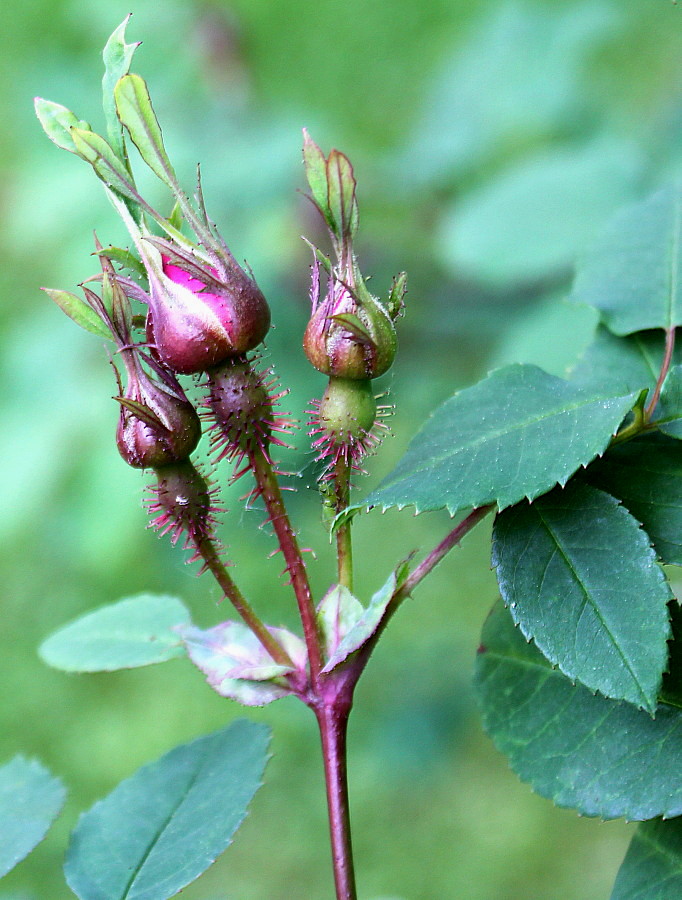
(78,310)
(652,868)
(108,167)
(579,577)
(622,364)
(134,108)
(57,122)
(668,413)
(161,828)
(602,757)
(515,434)
(137,631)
(531,221)
(117,58)
(30,799)
(237,665)
(337,613)
(368,620)
(631,273)
(646,475)
(341,193)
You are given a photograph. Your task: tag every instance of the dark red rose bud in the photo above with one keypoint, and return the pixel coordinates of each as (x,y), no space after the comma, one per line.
(157,425)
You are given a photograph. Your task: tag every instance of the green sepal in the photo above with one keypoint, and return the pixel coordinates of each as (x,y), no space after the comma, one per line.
(117,57)
(333,185)
(396,299)
(79,311)
(135,111)
(342,203)
(124,258)
(142,412)
(356,327)
(176,217)
(316,172)
(108,167)
(57,122)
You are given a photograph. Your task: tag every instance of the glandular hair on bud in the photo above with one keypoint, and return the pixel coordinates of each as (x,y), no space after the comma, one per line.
(241,408)
(347,410)
(182,502)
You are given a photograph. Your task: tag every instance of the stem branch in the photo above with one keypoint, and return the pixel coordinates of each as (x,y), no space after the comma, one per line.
(268,487)
(210,555)
(665,366)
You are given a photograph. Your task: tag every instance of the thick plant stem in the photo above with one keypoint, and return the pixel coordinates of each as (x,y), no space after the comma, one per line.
(333,723)
(344,545)
(210,556)
(268,488)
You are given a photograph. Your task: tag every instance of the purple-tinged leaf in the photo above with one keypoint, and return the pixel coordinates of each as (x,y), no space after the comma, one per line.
(337,613)
(237,665)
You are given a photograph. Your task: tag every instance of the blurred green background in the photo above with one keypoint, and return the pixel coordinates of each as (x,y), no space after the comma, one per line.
(490,142)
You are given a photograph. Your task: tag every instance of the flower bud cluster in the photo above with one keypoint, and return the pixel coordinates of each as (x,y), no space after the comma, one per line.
(351,335)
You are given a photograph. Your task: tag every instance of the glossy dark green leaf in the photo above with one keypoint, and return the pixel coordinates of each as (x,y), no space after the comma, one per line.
(30,799)
(652,868)
(515,434)
(631,273)
(602,757)
(138,631)
(161,828)
(580,578)
(646,475)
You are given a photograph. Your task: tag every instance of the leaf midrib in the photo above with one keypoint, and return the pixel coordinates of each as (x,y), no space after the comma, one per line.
(160,832)
(492,436)
(588,599)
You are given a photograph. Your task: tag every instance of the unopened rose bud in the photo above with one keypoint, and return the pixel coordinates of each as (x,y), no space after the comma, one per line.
(157,425)
(198,324)
(349,335)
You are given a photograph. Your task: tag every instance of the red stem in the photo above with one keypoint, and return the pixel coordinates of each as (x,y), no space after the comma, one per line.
(268,488)
(333,722)
(208,552)
(665,366)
